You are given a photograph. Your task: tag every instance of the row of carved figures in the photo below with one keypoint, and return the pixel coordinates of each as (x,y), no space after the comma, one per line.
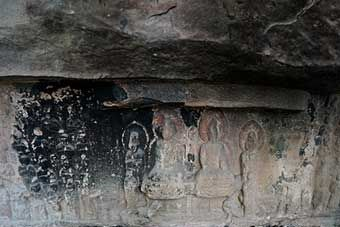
(168,178)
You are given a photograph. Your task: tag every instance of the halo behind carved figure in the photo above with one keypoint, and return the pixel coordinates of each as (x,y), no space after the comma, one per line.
(142,133)
(252,136)
(206,121)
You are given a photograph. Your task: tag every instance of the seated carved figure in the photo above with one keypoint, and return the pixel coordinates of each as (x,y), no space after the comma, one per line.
(214,179)
(165,180)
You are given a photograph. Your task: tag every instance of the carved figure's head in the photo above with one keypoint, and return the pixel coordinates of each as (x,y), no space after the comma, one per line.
(135,135)
(212,126)
(213,130)
(251,136)
(168,129)
(250,141)
(167,124)
(134,139)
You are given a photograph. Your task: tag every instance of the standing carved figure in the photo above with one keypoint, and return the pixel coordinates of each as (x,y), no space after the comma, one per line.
(135,140)
(165,180)
(251,140)
(215,178)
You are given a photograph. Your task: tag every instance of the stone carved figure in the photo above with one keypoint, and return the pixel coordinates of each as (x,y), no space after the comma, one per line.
(251,137)
(165,180)
(215,178)
(135,140)
(251,140)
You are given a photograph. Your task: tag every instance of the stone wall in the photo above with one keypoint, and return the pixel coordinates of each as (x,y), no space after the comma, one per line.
(77,154)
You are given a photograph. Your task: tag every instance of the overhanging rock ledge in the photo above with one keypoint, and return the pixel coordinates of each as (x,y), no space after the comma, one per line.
(283,43)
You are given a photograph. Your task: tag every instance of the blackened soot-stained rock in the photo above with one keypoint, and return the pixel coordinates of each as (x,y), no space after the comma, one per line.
(68,142)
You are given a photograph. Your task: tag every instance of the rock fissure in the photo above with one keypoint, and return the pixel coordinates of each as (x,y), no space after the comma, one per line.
(293,20)
(163,13)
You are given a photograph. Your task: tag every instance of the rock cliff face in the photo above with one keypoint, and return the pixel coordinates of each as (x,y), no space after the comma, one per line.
(282,42)
(169,113)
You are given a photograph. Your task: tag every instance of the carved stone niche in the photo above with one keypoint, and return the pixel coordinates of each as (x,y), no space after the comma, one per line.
(167,154)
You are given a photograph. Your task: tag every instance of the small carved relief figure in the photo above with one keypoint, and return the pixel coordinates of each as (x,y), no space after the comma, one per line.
(251,137)
(165,180)
(135,140)
(214,179)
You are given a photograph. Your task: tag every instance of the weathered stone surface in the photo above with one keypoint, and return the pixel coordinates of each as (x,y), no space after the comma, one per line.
(195,94)
(287,43)
(67,160)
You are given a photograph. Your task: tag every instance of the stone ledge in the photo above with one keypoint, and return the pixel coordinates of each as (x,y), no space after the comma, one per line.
(294,222)
(211,95)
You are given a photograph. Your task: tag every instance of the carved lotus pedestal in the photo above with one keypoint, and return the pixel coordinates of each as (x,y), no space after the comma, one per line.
(163,184)
(214,184)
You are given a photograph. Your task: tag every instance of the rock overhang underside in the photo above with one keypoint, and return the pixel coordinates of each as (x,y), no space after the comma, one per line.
(281,43)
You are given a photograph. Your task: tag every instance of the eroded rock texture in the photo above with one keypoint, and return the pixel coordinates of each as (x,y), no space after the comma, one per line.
(283,42)
(73,161)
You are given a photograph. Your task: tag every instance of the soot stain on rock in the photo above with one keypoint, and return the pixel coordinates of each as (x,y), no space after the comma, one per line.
(311,111)
(190,116)
(67,141)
